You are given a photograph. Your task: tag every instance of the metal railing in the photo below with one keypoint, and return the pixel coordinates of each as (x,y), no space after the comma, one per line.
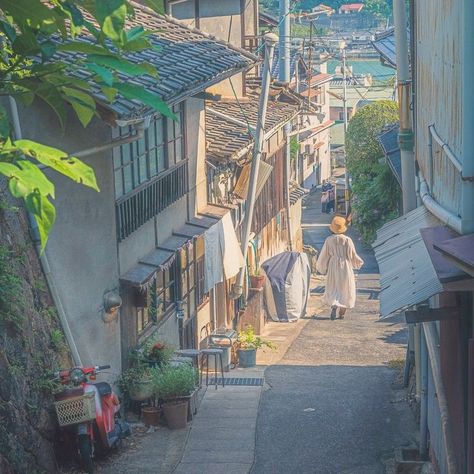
(145,202)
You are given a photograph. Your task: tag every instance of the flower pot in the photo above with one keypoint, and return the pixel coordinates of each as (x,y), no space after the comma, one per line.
(257,281)
(192,401)
(151,416)
(142,390)
(247,357)
(176,414)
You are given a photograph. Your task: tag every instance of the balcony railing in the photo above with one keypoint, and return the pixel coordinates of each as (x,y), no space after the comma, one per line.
(147,201)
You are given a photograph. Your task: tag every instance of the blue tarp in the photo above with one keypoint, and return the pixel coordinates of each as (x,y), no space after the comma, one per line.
(287,285)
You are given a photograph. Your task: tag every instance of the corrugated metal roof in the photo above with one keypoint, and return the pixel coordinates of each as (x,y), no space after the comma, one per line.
(407,275)
(389,142)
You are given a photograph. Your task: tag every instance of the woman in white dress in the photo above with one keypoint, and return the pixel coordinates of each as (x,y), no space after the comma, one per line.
(337,260)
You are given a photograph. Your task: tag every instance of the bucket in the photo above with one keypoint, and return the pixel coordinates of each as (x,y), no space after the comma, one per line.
(247,357)
(176,414)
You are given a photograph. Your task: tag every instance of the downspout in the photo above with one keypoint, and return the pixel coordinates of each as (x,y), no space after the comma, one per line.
(424,398)
(140,126)
(270,41)
(432,343)
(467,191)
(43,259)
(284,76)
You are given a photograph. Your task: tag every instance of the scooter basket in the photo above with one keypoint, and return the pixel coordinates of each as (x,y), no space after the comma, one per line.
(76,410)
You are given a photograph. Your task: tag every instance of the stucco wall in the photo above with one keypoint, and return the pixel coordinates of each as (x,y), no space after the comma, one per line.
(81,249)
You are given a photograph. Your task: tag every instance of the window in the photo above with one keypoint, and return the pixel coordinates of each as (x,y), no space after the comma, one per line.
(161,147)
(158,300)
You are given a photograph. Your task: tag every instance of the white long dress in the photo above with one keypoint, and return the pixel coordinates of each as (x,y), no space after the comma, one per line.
(337,260)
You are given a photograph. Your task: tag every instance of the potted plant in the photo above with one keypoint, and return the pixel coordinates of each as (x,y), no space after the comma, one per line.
(158,354)
(174,385)
(248,345)
(136,382)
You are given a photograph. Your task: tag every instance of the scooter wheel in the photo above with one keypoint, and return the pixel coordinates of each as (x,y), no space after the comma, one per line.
(85,450)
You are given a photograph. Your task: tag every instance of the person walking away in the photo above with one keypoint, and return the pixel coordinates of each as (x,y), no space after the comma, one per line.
(337,260)
(331,205)
(324,196)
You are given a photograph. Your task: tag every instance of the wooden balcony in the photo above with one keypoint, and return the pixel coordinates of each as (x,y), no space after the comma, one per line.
(145,202)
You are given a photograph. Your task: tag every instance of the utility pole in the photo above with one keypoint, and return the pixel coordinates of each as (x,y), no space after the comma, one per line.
(270,42)
(284,76)
(344,111)
(405,136)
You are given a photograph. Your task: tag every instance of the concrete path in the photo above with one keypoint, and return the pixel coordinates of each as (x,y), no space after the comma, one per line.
(222,435)
(333,404)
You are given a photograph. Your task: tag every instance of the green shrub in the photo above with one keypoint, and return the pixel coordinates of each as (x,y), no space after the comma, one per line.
(248,340)
(174,382)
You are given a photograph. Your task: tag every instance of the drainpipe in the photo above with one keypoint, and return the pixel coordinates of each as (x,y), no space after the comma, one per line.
(467,191)
(270,41)
(284,76)
(435,208)
(432,344)
(416,346)
(405,136)
(424,398)
(43,259)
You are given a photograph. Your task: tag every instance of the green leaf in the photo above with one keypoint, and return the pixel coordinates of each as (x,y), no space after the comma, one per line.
(123,65)
(33,12)
(48,48)
(111,16)
(59,161)
(45,219)
(26,44)
(25,178)
(135,33)
(86,48)
(138,44)
(4,124)
(110,93)
(50,94)
(156,5)
(8,31)
(133,92)
(82,103)
(105,74)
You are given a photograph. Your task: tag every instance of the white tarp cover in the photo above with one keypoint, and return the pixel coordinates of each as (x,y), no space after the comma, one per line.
(287,285)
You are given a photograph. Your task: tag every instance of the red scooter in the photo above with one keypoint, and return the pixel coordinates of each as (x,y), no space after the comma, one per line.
(90,412)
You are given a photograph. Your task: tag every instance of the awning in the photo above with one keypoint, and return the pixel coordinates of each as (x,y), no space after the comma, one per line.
(459,251)
(242,185)
(164,255)
(407,275)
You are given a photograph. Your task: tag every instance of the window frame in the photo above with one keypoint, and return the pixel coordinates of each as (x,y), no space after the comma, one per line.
(128,158)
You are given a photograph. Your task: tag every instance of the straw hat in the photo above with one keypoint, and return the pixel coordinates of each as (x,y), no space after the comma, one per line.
(338,225)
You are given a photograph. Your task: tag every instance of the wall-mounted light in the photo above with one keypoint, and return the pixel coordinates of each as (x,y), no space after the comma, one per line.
(112,304)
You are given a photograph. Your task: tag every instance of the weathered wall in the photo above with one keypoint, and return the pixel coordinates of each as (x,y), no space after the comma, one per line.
(31,347)
(438,98)
(82,249)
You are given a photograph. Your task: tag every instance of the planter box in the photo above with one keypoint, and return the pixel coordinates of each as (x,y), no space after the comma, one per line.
(192,404)
(176,413)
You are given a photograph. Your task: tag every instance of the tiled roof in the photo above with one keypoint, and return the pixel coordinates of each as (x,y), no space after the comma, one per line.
(227,139)
(385,45)
(188,61)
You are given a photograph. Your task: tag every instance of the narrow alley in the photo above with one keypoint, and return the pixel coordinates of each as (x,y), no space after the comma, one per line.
(333,404)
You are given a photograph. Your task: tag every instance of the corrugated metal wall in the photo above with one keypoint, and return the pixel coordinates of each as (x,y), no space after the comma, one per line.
(438,40)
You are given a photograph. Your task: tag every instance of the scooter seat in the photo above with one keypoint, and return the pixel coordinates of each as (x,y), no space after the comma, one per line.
(103,388)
